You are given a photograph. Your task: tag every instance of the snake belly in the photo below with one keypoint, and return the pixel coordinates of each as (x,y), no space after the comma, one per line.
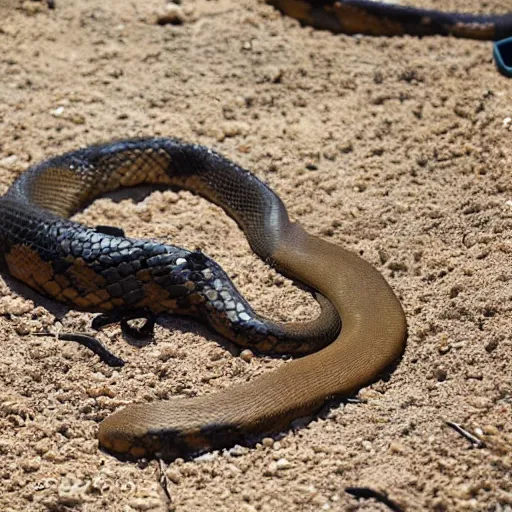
(389,19)
(97,270)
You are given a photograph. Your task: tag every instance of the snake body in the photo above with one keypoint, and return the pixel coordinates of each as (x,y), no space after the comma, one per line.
(100,270)
(389,19)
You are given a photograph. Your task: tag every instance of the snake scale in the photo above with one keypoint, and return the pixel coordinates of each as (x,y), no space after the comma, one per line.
(102,270)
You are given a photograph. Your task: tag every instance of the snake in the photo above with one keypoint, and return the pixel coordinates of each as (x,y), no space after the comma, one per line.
(388,19)
(101,270)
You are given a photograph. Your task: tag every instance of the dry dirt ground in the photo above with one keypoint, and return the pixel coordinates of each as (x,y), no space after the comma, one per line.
(398,149)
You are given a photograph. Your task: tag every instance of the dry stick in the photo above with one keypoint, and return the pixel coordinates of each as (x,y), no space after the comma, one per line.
(367,493)
(478,443)
(89,342)
(164,481)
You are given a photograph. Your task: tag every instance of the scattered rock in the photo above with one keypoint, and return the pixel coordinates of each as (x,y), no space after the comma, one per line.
(172,15)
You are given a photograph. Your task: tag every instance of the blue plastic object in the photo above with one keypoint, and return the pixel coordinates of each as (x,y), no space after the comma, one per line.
(502,53)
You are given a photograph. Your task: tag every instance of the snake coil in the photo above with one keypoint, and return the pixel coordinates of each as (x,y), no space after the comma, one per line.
(101,270)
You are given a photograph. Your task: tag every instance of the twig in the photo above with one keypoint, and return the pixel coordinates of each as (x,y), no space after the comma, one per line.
(89,342)
(477,443)
(163,480)
(367,493)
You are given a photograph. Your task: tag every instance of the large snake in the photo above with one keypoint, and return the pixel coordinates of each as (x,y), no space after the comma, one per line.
(391,19)
(102,270)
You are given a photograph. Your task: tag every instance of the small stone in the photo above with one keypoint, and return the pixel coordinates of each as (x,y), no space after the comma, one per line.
(238,451)
(57,112)
(145,503)
(246,355)
(207,457)
(173,15)
(455,290)
(283,464)
(366,394)
(268,442)
(101,391)
(173,475)
(383,256)
(395,447)
(8,161)
(367,446)
(492,345)
(490,430)
(271,469)
(279,280)
(31,465)
(444,346)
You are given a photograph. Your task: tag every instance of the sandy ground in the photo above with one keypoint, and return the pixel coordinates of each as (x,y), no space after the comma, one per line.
(398,149)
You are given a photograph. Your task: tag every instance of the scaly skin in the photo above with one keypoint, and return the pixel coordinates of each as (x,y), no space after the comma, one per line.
(100,270)
(388,19)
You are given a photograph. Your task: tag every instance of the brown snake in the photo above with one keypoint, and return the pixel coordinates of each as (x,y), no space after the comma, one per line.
(101,270)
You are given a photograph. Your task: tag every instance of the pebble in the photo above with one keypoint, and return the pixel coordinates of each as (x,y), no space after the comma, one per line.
(246,355)
(207,457)
(490,430)
(367,446)
(173,475)
(366,394)
(271,469)
(238,451)
(278,280)
(444,348)
(32,465)
(268,442)
(8,161)
(102,391)
(491,346)
(146,503)
(395,447)
(283,464)
(173,15)
(57,112)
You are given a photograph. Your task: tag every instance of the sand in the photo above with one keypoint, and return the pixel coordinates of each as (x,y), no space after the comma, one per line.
(397,149)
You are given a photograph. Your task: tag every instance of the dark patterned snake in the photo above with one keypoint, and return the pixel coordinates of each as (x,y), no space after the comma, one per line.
(102,270)
(391,19)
